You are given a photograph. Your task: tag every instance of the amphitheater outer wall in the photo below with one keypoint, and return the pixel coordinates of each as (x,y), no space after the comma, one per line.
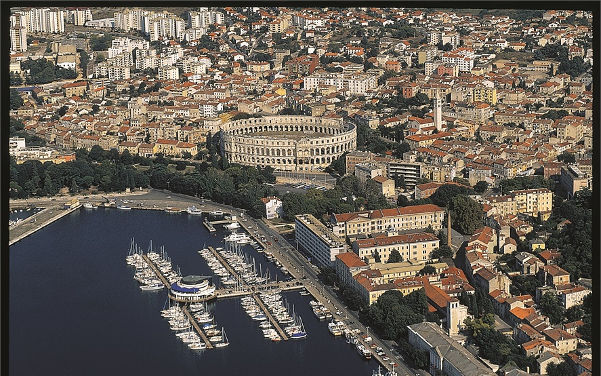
(325,141)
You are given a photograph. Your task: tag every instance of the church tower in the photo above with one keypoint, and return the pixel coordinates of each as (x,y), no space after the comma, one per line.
(438,113)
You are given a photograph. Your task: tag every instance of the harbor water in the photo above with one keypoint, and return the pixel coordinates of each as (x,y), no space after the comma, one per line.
(21,214)
(76,309)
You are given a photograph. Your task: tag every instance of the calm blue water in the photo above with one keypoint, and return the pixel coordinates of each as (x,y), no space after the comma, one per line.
(75,308)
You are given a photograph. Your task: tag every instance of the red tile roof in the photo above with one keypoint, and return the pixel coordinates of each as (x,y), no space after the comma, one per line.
(351,259)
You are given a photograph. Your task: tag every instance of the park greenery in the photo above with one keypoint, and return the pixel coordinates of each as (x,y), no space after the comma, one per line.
(101,42)
(110,171)
(495,346)
(349,295)
(393,312)
(551,306)
(15,100)
(42,71)
(575,239)
(348,195)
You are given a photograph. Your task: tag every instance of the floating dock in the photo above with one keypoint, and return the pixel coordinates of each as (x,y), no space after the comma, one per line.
(275,324)
(197,328)
(156,271)
(209,226)
(225,264)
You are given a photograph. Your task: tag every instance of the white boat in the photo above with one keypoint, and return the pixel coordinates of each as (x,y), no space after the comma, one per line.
(152,287)
(238,238)
(224,342)
(365,352)
(232,226)
(123,207)
(299,330)
(193,210)
(334,329)
(88,205)
(197,345)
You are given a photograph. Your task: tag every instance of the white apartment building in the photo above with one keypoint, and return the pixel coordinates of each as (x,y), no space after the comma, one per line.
(45,20)
(274,207)
(168,73)
(193,34)
(18,39)
(204,18)
(79,16)
(357,83)
(130,19)
(463,57)
(118,73)
(316,239)
(164,25)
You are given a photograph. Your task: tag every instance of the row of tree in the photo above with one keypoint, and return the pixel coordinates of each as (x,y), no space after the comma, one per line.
(108,171)
(348,195)
(42,71)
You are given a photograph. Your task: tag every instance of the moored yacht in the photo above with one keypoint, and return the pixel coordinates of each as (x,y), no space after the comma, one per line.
(193,210)
(232,226)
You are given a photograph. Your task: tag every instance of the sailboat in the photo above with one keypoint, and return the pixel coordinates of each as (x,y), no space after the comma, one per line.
(300,332)
(225,341)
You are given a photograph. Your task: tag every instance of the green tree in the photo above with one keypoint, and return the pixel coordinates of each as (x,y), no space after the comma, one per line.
(402,200)
(550,305)
(562,369)
(395,256)
(466,214)
(377,257)
(15,100)
(49,186)
(84,59)
(100,43)
(574,313)
(566,157)
(428,269)
(481,187)
(444,251)
(445,193)
(15,79)
(74,187)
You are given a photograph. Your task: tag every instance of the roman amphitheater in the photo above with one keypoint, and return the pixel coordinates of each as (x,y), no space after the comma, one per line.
(287,143)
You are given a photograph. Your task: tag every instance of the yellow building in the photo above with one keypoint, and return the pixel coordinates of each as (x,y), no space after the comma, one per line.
(415,246)
(485,94)
(166,147)
(75,88)
(385,186)
(533,202)
(402,218)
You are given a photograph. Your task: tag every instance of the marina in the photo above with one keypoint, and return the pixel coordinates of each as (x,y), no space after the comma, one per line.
(90,252)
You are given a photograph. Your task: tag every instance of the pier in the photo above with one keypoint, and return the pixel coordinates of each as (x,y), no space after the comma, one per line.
(209,226)
(156,271)
(280,286)
(270,317)
(197,328)
(225,264)
(40,220)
